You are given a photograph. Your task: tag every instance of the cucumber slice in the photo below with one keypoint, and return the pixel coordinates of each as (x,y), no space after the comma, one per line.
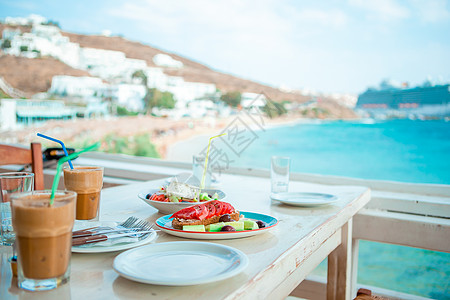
(216,227)
(239,225)
(199,228)
(250,225)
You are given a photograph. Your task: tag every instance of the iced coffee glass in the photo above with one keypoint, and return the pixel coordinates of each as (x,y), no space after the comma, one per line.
(87,182)
(43,237)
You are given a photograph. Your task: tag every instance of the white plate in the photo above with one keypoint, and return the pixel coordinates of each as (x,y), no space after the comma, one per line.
(116,247)
(304,199)
(165,224)
(173,207)
(180,263)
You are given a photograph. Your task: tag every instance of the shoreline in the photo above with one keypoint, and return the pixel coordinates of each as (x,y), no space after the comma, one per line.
(183,149)
(191,135)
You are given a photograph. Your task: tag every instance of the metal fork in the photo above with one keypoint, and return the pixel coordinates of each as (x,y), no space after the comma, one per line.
(128,222)
(145,226)
(140,231)
(126,225)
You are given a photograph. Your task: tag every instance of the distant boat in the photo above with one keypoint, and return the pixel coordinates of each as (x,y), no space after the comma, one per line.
(427,100)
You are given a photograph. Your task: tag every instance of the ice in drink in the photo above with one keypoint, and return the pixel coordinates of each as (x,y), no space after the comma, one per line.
(44,237)
(87,182)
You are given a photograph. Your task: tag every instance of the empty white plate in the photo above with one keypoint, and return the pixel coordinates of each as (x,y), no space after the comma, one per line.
(168,263)
(304,199)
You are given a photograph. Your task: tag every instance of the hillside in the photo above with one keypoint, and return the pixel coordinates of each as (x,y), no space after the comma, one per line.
(192,71)
(33,75)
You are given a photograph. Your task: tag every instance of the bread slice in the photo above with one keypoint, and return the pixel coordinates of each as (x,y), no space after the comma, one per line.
(179,223)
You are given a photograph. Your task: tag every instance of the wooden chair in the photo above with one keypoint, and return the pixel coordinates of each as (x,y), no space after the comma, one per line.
(365,294)
(13,155)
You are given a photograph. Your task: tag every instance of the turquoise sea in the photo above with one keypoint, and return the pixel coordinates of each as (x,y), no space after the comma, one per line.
(397,150)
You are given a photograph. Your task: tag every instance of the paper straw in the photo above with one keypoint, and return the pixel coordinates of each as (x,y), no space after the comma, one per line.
(57,141)
(61,161)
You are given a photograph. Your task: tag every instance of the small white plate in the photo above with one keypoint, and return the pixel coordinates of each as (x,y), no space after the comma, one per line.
(304,199)
(116,247)
(173,207)
(180,263)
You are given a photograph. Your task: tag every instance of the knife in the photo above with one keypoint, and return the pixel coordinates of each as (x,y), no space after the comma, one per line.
(87,232)
(78,241)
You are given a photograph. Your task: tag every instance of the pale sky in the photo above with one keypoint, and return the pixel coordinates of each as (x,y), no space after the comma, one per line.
(327,46)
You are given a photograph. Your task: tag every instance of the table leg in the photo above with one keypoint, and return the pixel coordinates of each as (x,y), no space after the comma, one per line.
(339,266)
(354,268)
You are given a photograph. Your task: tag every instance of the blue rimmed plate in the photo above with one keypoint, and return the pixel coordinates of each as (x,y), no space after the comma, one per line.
(165,224)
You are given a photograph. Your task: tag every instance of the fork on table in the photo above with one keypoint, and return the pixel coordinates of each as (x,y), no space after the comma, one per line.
(140,230)
(127,224)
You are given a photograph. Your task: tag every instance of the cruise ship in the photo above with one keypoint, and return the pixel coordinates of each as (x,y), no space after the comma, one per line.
(427,100)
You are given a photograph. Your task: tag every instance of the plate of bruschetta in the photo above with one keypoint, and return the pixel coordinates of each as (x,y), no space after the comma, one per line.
(215,220)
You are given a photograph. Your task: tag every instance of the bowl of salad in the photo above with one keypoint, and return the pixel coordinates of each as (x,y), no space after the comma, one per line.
(168,203)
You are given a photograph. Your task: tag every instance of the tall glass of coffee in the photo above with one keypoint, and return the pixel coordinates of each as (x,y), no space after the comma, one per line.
(87,182)
(43,237)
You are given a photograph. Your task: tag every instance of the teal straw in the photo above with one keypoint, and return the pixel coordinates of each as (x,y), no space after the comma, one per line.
(61,161)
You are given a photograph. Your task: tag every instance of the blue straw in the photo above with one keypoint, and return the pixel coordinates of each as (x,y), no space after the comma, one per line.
(57,141)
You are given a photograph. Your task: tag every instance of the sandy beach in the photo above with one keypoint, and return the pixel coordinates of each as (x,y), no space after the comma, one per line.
(183,149)
(175,140)
(163,132)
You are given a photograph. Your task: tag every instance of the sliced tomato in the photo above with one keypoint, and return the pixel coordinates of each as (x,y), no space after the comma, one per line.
(228,208)
(198,212)
(202,211)
(185,213)
(211,208)
(219,207)
(159,197)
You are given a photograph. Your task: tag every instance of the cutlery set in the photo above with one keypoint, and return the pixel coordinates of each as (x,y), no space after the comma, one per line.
(132,227)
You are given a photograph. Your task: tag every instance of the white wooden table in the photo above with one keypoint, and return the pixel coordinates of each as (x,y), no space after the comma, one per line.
(278,260)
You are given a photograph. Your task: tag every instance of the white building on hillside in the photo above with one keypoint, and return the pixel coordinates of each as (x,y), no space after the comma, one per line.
(92,57)
(49,32)
(185,91)
(200,108)
(9,34)
(117,73)
(130,96)
(249,100)
(165,60)
(77,86)
(156,78)
(110,65)
(30,20)
(44,40)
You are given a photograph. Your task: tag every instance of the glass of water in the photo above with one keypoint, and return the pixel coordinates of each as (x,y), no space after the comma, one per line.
(10,183)
(198,167)
(279,173)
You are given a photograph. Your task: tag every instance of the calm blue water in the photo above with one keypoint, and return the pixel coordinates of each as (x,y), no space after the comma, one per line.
(398,150)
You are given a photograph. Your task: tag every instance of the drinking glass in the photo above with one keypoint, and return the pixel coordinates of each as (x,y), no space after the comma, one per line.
(43,237)
(198,165)
(87,182)
(279,173)
(11,183)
